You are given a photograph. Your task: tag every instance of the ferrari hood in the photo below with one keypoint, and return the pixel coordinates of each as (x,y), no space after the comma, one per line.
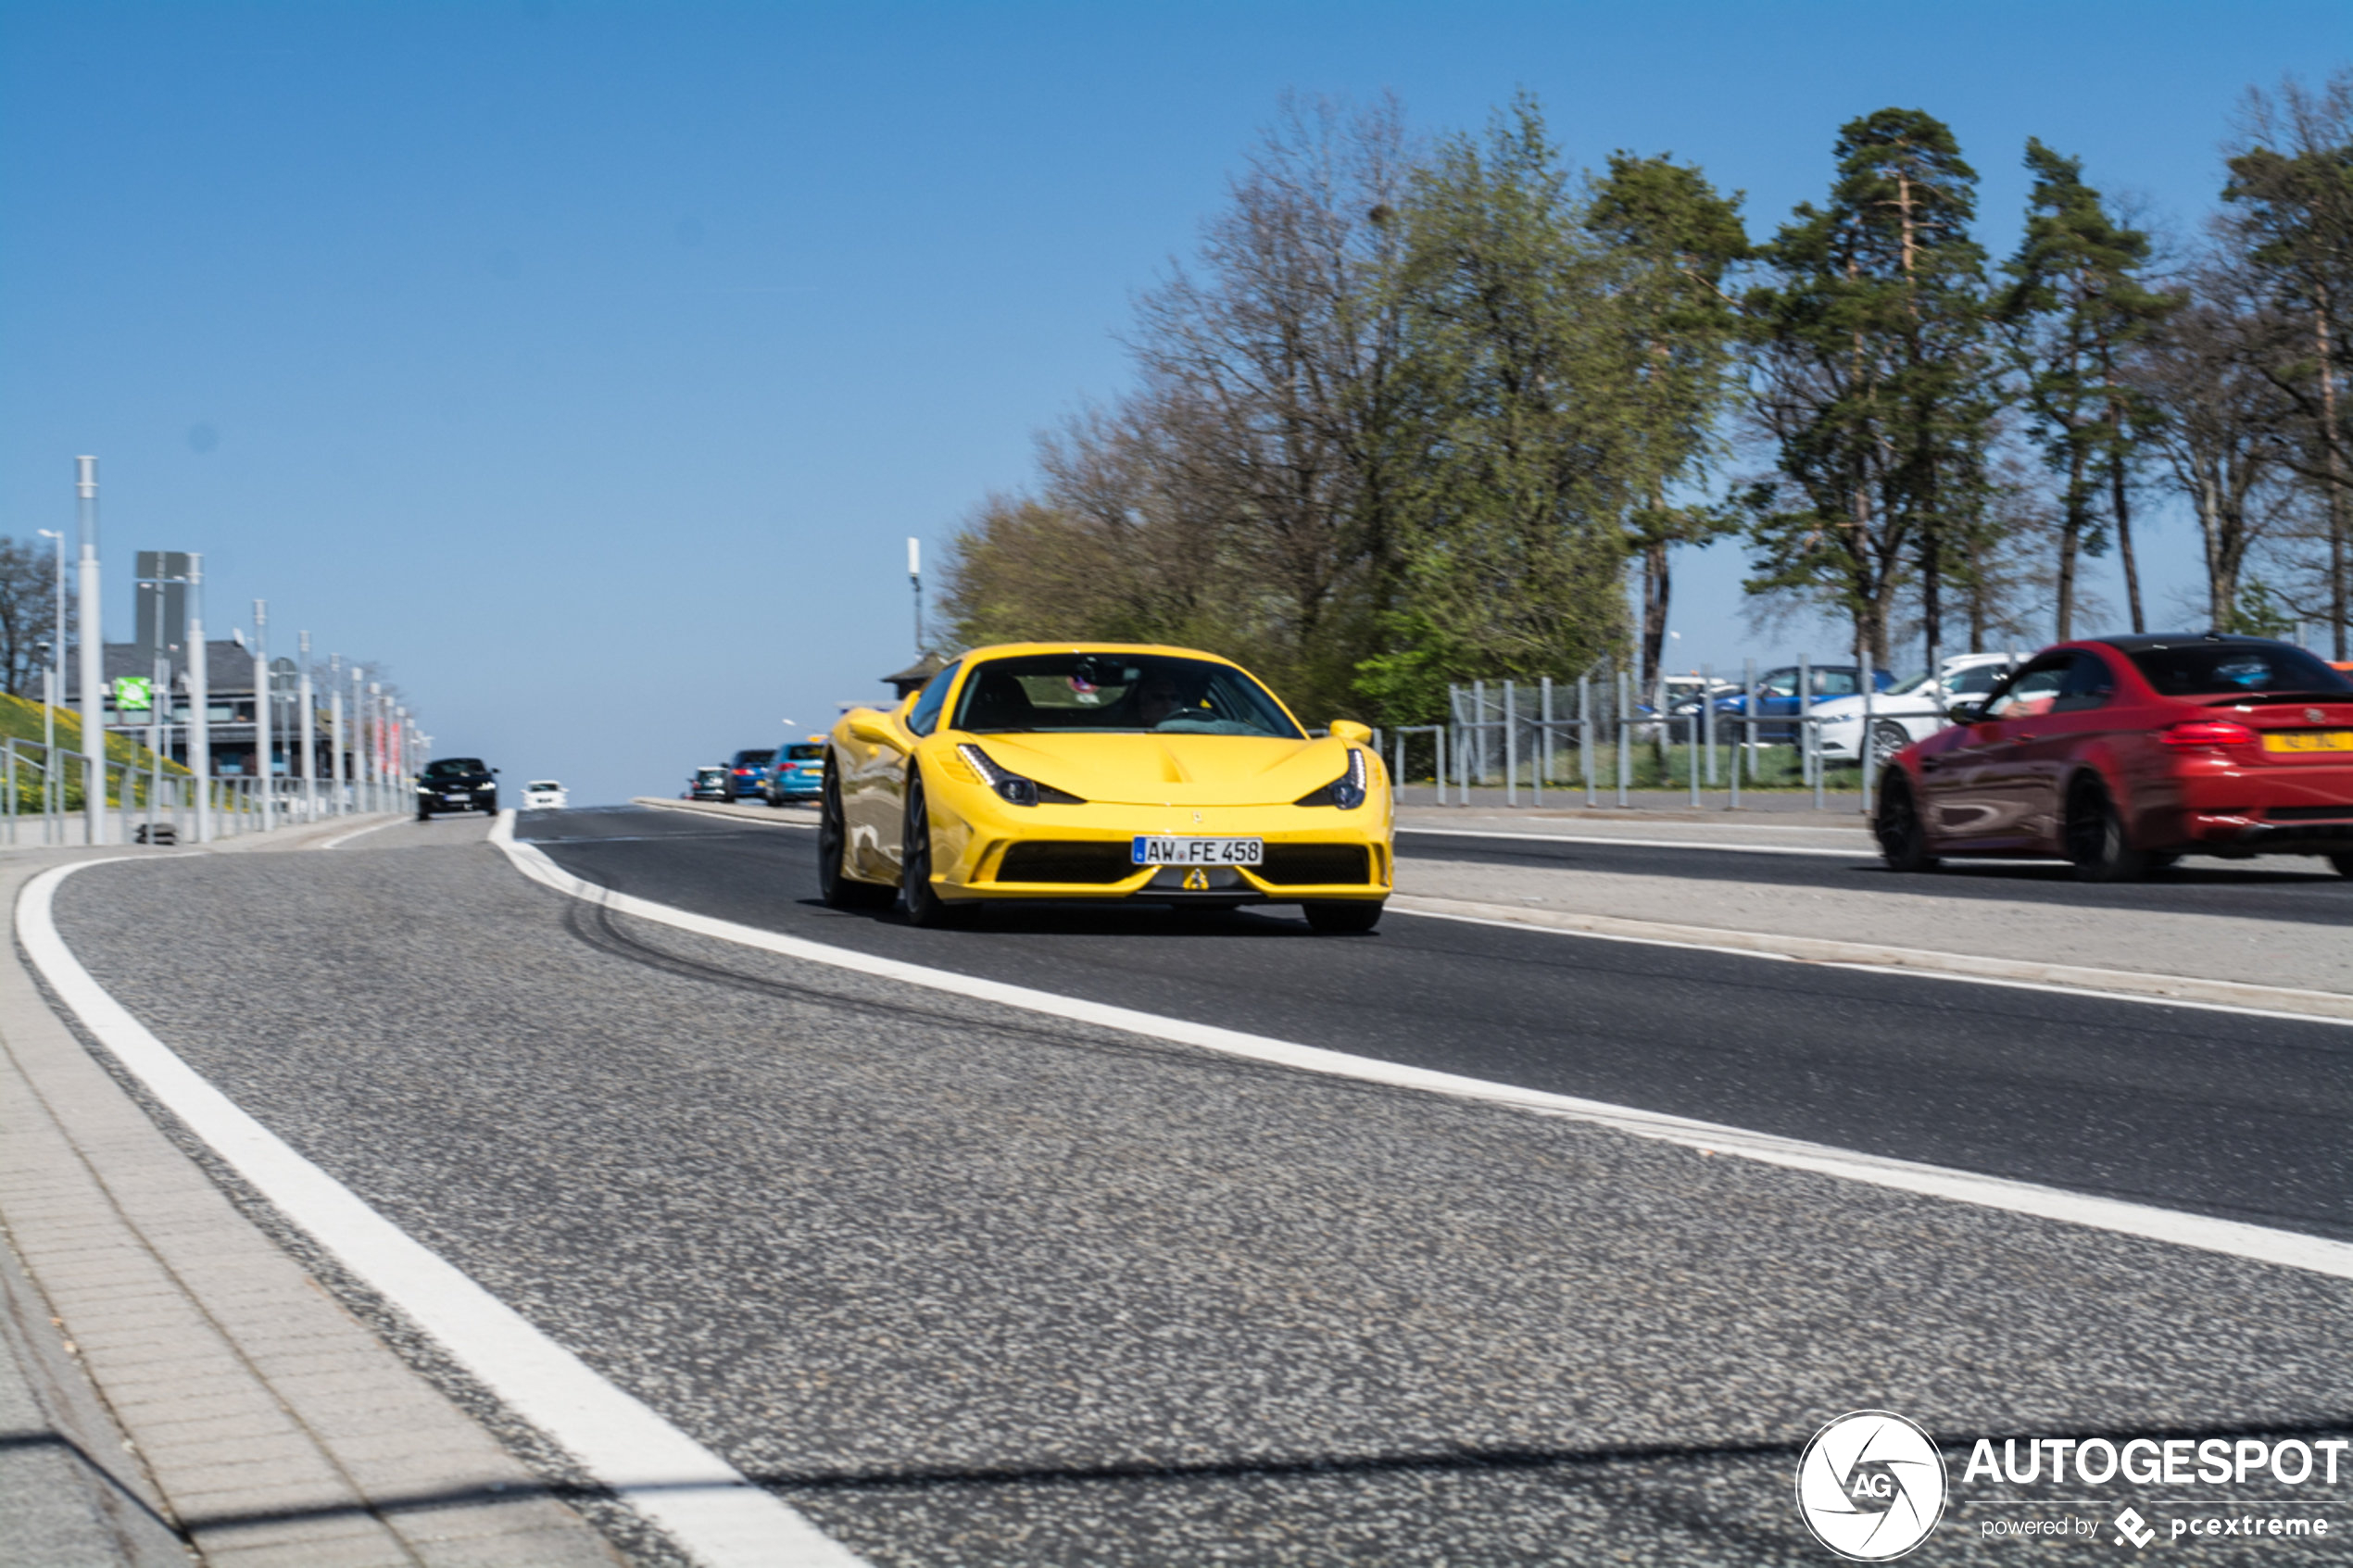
(1155,770)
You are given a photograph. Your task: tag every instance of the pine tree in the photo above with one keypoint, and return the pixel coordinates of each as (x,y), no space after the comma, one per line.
(1871,343)
(1682,237)
(2074,308)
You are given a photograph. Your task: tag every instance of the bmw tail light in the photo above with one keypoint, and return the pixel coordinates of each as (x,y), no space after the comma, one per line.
(2209,732)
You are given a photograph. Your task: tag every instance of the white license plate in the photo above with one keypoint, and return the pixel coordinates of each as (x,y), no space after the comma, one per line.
(1147,851)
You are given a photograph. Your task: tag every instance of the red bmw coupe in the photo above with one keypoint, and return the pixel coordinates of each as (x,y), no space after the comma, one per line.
(2124,754)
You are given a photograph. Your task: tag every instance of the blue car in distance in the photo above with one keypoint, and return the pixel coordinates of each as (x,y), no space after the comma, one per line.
(1777,695)
(798,773)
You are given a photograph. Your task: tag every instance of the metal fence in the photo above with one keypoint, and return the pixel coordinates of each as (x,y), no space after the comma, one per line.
(45,794)
(1592,739)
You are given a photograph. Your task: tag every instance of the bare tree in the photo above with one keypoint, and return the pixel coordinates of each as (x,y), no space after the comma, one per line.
(2219,419)
(2289,214)
(28,614)
(1270,377)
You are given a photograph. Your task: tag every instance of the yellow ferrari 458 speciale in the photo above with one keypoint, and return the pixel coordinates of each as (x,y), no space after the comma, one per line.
(1048,770)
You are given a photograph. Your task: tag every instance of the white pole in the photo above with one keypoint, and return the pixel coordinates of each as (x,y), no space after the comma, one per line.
(375,739)
(916,577)
(199,702)
(94,672)
(261,706)
(361,796)
(302,723)
(52,689)
(337,772)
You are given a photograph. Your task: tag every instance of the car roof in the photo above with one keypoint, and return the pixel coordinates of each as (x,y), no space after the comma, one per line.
(2137,644)
(1005,650)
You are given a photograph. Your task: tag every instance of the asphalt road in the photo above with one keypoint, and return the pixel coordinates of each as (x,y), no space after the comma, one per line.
(2280,887)
(972,1286)
(2159,1105)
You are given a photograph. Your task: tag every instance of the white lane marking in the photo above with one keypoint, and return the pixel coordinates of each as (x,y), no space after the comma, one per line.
(705,1506)
(355,832)
(1922,970)
(1863,853)
(2259,1243)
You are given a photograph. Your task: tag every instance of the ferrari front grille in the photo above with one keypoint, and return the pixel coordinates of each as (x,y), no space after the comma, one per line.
(1315,865)
(1049,861)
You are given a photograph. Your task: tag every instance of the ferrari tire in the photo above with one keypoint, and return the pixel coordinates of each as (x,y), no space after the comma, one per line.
(1902,834)
(923,904)
(1343,917)
(835,885)
(2095,840)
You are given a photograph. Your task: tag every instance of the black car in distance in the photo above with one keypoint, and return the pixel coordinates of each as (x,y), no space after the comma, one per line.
(457,784)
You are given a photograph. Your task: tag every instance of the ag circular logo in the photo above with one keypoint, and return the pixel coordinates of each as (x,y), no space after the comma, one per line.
(1871,1486)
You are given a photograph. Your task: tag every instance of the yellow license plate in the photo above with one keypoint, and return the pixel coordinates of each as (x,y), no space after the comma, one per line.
(2308,740)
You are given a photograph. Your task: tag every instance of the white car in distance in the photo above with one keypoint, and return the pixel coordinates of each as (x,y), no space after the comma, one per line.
(544,795)
(1911,711)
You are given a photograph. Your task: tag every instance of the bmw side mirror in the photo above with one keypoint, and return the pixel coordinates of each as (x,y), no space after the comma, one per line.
(1966,712)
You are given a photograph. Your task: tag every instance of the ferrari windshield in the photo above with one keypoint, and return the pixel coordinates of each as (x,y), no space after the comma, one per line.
(1129,692)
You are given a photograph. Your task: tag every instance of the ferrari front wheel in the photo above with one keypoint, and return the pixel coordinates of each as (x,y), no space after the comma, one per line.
(835,885)
(1344,918)
(924,906)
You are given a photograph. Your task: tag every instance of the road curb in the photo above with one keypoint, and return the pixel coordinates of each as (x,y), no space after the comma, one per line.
(768,816)
(2332,1004)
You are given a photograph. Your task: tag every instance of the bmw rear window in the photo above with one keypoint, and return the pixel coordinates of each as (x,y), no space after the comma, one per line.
(2229,668)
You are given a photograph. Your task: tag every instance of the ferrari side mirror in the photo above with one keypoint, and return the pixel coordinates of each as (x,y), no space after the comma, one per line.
(1349,730)
(1966,712)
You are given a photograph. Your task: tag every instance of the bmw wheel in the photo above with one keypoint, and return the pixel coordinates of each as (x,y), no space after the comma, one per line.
(1903,836)
(2095,840)
(835,885)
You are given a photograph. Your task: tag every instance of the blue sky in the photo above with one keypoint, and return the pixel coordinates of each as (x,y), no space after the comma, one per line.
(589,363)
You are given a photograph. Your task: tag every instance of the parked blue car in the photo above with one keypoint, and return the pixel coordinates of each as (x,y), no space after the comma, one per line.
(799,774)
(1777,694)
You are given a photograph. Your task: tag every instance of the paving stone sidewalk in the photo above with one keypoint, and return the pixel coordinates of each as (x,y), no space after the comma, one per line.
(174,1387)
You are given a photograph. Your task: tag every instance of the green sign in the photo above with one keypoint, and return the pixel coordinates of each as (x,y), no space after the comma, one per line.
(134,694)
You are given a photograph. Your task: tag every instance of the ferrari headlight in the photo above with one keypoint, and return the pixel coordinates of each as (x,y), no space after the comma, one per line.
(1347,792)
(1011,785)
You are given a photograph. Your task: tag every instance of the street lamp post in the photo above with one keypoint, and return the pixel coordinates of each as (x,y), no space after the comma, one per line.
(92,662)
(199,702)
(916,577)
(52,689)
(262,703)
(375,738)
(302,722)
(338,775)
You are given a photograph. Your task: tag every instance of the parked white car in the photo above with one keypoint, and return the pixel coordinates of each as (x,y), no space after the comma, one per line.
(544,795)
(1911,711)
